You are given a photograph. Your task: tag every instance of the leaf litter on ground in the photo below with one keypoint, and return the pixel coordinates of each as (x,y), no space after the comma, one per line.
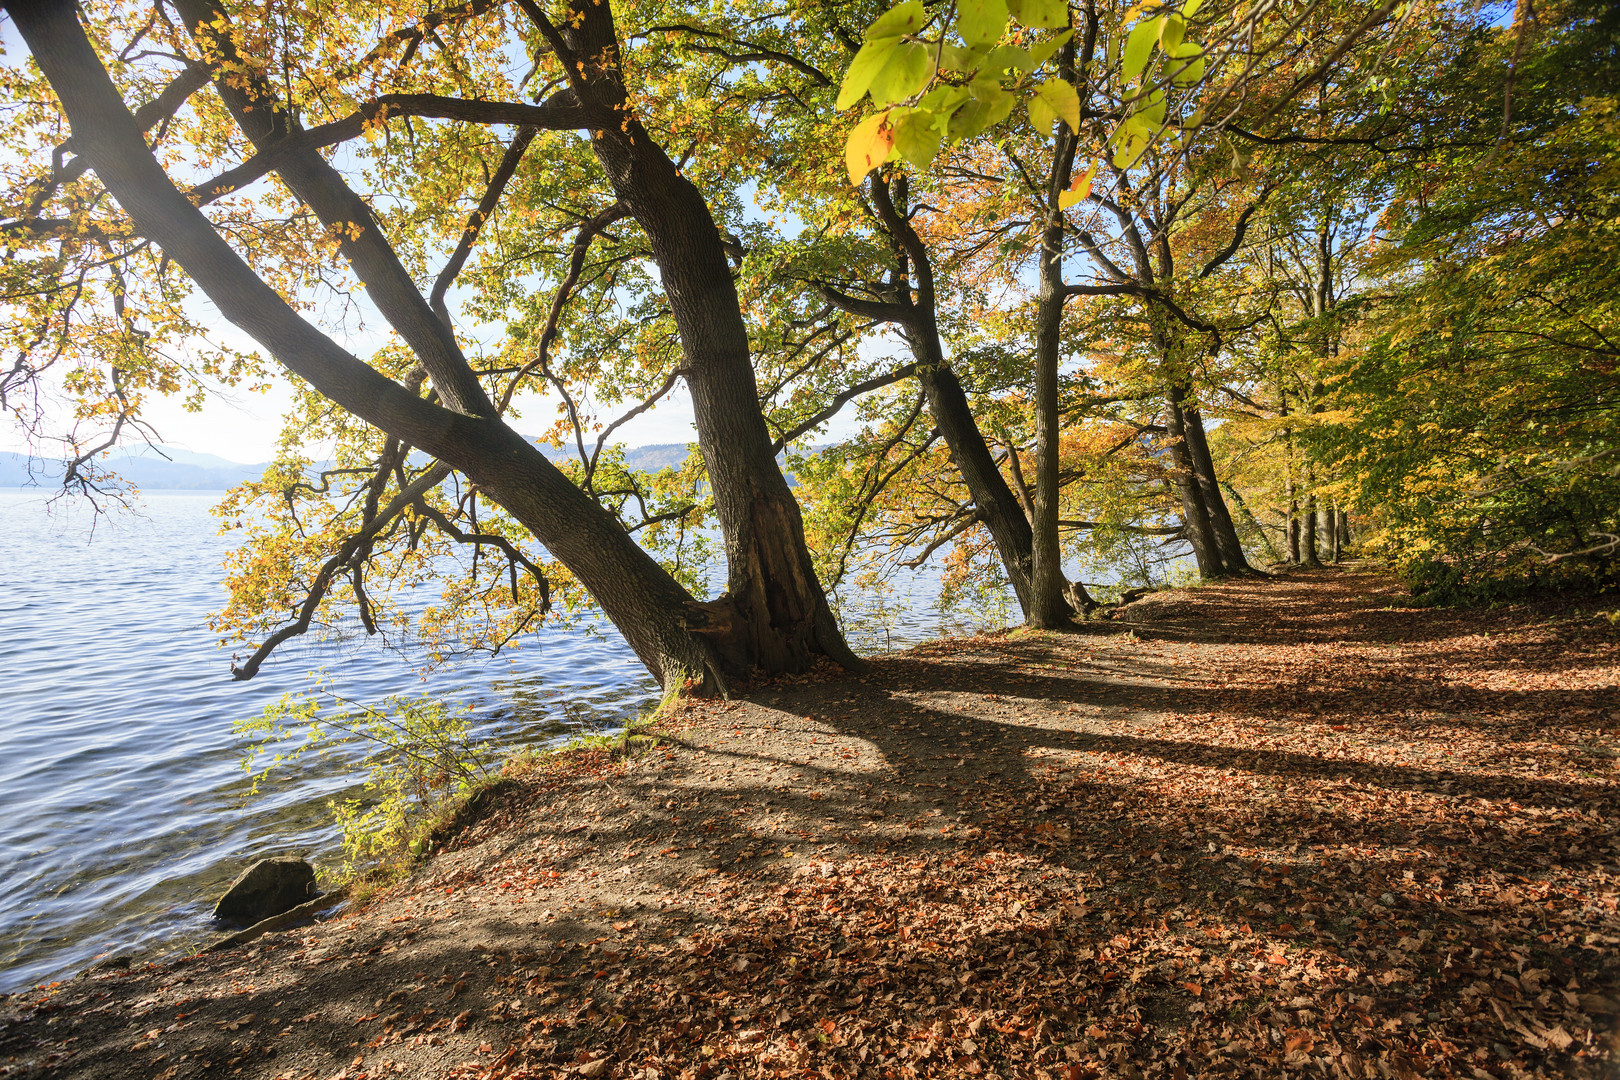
(1287,828)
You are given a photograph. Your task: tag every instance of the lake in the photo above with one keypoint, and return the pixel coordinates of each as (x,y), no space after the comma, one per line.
(124,811)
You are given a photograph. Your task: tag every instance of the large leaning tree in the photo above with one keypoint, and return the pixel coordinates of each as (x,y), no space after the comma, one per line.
(212,83)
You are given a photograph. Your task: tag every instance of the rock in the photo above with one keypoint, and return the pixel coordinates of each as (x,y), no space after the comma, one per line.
(268,887)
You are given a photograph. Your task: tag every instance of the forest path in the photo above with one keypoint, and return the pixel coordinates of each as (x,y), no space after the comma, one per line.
(1247,829)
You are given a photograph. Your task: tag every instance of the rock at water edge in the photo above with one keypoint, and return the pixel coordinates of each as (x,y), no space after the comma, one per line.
(268,887)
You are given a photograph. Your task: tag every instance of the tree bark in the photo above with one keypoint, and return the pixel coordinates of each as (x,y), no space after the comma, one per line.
(1193,511)
(780,616)
(1233,560)
(656,615)
(1307,541)
(1051,596)
(991,494)
(252,102)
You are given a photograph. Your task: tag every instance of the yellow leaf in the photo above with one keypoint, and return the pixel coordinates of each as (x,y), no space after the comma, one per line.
(1062,100)
(1080,189)
(868,147)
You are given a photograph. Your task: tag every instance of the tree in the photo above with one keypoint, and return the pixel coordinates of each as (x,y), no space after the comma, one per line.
(1477,412)
(775,616)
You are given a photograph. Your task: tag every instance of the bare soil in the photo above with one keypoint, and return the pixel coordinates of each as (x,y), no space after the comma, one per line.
(1284,828)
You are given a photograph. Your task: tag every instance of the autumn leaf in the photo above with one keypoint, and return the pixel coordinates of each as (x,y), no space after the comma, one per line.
(869,146)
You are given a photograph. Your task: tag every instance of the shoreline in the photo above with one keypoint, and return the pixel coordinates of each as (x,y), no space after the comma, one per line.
(1246,828)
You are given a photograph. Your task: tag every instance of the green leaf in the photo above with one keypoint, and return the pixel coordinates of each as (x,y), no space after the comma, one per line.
(872,59)
(1041,116)
(1139,48)
(898,21)
(868,147)
(1008,58)
(1128,153)
(943,100)
(1171,33)
(1061,100)
(969,120)
(988,106)
(1038,54)
(981,22)
(1187,73)
(1152,110)
(957,58)
(916,136)
(1190,8)
(1040,13)
(910,67)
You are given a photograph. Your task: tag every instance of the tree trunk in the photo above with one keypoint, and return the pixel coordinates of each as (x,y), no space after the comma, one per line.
(1193,511)
(780,615)
(1307,542)
(998,507)
(656,615)
(1288,479)
(1049,589)
(1047,608)
(1333,531)
(953,416)
(1233,560)
(1293,516)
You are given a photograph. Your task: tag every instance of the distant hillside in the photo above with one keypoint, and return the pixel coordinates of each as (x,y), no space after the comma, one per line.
(655,457)
(640,458)
(183,472)
(187,471)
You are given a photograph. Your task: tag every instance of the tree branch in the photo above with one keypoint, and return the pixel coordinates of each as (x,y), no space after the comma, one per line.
(561,112)
(1238,233)
(475,221)
(966,522)
(843,398)
(756,52)
(347,551)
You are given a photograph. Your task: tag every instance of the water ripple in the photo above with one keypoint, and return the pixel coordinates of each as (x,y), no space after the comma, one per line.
(122,805)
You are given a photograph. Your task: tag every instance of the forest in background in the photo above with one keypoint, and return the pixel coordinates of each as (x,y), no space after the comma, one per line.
(1100,284)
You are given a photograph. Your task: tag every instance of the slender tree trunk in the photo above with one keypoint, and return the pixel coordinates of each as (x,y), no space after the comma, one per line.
(1002,513)
(1344,528)
(1293,508)
(656,615)
(780,617)
(1050,591)
(1307,542)
(1003,516)
(1220,519)
(1193,511)
(1048,608)
(1288,480)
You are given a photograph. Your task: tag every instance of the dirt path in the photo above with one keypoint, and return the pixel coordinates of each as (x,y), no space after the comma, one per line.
(1257,829)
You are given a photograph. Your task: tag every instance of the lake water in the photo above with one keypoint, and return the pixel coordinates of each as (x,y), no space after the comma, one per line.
(123,808)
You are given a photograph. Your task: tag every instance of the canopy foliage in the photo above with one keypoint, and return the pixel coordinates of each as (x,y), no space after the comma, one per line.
(1023,287)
